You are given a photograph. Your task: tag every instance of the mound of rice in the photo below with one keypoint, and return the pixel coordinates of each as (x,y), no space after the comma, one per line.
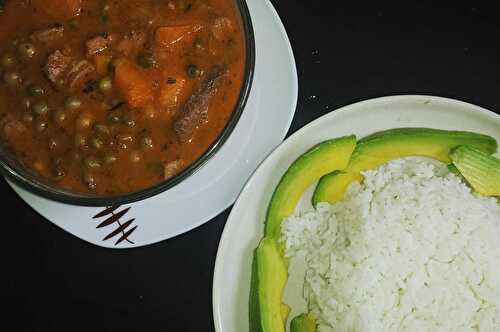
(409,249)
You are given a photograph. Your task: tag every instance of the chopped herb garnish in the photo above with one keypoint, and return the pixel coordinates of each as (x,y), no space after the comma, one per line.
(90,87)
(73,24)
(104,18)
(117,106)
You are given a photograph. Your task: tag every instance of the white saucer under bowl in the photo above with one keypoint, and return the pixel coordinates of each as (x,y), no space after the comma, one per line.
(263,125)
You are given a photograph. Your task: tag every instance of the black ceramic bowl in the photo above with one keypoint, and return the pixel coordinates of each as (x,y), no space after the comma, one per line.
(13,170)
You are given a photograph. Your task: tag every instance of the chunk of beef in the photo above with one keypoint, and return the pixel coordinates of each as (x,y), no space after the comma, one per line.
(80,73)
(171,168)
(48,36)
(99,43)
(65,71)
(56,66)
(195,111)
(132,43)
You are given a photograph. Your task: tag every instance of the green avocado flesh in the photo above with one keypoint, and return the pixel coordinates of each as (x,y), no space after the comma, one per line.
(322,159)
(303,323)
(379,148)
(270,267)
(269,277)
(481,170)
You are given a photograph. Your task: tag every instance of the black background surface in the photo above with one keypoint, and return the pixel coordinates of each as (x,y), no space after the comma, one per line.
(51,281)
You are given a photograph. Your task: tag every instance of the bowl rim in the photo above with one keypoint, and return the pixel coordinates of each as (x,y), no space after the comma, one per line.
(27,181)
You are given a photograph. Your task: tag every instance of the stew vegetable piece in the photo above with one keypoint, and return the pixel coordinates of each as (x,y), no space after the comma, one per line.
(98,101)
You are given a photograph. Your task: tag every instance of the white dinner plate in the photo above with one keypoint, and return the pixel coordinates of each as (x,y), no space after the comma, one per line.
(245,224)
(263,125)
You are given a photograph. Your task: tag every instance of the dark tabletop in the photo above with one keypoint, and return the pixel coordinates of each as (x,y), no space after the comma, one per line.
(52,281)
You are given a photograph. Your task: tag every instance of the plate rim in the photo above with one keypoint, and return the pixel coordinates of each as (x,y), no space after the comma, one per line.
(221,250)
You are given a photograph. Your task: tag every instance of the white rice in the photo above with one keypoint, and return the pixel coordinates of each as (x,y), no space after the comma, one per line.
(409,249)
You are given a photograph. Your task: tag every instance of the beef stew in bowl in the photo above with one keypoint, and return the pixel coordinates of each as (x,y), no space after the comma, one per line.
(99,107)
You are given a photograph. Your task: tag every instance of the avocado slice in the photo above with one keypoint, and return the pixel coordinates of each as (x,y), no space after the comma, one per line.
(381,147)
(481,170)
(453,169)
(303,323)
(270,267)
(269,276)
(321,159)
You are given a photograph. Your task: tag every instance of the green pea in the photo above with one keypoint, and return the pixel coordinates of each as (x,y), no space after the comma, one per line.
(124,140)
(199,46)
(92,162)
(101,128)
(106,85)
(129,122)
(41,125)
(135,157)
(97,142)
(193,71)
(12,79)
(35,90)
(115,116)
(147,142)
(26,50)
(84,120)
(72,103)
(109,158)
(40,108)
(8,60)
(60,116)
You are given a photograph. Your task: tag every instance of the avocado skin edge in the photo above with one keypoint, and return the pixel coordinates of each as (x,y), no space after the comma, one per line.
(375,150)
(311,164)
(265,314)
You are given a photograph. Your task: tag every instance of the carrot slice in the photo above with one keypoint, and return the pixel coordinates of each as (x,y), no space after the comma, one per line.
(134,84)
(170,36)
